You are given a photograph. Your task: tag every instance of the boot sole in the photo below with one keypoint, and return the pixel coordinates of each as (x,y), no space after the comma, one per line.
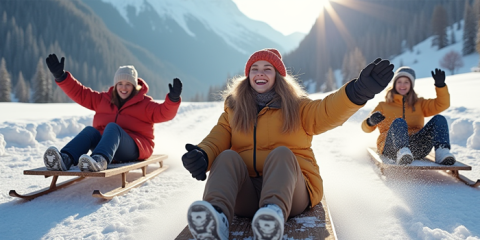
(57,164)
(266,221)
(405,160)
(88,164)
(209,229)
(448,161)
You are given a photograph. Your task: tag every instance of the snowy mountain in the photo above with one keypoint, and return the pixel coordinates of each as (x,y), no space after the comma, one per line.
(209,40)
(220,16)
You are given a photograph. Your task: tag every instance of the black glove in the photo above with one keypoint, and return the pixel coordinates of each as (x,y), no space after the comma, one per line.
(176,90)
(56,67)
(439,77)
(375,119)
(372,80)
(195,161)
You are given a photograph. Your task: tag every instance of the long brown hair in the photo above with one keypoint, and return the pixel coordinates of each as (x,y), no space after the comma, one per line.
(241,97)
(118,101)
(410,99)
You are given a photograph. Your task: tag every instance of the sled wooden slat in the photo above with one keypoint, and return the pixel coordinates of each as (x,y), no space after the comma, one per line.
(113,169)
(314,223)
(428,163)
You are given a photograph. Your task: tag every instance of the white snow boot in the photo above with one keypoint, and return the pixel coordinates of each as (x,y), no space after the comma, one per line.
(95,163)
(54,160)
(205,222)
(404,156)
(444,156)
(268,223)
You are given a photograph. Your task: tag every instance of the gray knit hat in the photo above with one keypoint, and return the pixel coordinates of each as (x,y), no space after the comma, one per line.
(128,73)
(405,72)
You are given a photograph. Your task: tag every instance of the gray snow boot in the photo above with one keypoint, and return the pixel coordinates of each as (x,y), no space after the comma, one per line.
(54,160)
(94,163)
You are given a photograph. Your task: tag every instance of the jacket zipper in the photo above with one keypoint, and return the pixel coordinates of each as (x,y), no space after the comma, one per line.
(255,149)
(255,140)
(118,113)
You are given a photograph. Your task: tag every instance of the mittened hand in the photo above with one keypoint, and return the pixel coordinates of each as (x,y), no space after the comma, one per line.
(372,80)
(175,90)
(439,77)
(195,161)
(56,67)
(375,118)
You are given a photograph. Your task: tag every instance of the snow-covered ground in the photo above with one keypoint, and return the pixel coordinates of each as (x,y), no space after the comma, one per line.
(363,203)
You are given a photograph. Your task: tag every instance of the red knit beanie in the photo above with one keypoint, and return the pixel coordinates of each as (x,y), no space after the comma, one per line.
(270,55)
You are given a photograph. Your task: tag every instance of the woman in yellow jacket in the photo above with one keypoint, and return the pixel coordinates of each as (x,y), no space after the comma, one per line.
(259,154)
(400,120)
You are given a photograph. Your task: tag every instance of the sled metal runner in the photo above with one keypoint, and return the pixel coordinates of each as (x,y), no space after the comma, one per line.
(315,223)
(113,169)
(428,163)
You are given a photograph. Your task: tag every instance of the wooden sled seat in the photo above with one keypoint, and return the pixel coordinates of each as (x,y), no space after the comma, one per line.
(428,163)
(112,170)
(314,223)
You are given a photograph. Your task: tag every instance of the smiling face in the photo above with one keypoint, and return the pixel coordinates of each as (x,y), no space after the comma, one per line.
(262,76)
(124,88)
(403,85)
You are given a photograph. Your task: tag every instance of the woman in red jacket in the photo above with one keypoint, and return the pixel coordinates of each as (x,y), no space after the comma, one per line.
(259,154)
(122,129)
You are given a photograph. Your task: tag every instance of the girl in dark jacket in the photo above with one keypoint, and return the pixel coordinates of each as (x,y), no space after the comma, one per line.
(122,129)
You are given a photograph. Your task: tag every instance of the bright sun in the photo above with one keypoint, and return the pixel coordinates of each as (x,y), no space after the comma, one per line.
(287,16)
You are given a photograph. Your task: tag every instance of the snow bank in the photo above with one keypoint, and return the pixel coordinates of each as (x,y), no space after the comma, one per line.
(2,145)
(19,136)
(460,130)
(29,135)
(460,232)
(474,140)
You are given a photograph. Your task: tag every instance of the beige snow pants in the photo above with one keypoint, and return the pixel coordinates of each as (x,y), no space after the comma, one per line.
(230,188)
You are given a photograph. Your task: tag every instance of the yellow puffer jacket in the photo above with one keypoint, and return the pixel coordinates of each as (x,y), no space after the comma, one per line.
(415,119)
(317,116)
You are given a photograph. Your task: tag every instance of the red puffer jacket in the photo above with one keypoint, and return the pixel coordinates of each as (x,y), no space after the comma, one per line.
(137,116)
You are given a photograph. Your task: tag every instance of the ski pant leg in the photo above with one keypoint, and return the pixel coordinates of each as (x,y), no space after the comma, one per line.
(228,178)
(433,134)
(116,144)
(283,183)
(86,140)
(397,138)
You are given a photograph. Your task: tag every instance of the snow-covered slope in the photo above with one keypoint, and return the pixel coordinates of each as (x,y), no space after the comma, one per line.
(363,203)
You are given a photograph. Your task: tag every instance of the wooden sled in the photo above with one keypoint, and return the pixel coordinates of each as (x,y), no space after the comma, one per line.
(113,169)
(315,223)
(428,163)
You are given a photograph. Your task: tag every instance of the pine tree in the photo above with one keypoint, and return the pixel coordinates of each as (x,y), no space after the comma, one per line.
(452,37)
(40,84)
(21,90)
(59,95)
(330,83)
(5,83)
(459,13)
(353,63)
(476,8)
(469,31)
(439,27)
(477,45)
